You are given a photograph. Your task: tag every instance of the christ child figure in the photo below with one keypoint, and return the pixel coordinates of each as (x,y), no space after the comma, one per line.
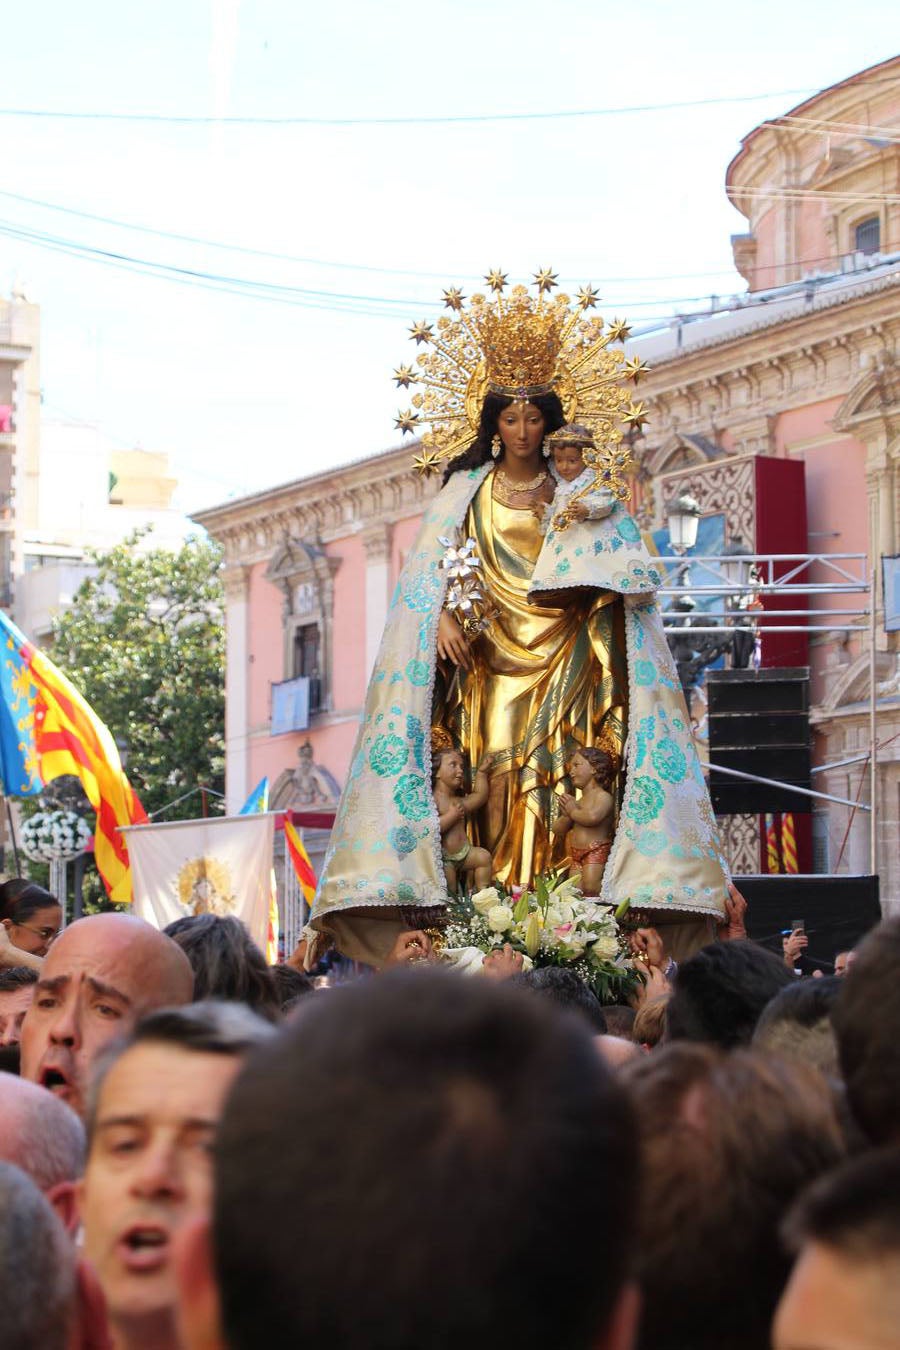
(573,477)
(448,780)
(587,823)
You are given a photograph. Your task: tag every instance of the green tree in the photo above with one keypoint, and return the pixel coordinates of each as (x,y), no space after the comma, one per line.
(144,642)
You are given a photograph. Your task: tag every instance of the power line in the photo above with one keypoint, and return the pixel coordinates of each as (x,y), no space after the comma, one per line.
(298,294)
(175,119)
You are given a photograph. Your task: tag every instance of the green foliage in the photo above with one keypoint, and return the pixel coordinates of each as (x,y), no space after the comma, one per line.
(144,642)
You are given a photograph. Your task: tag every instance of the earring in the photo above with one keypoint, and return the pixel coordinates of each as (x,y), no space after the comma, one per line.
(496,445)
(545,447)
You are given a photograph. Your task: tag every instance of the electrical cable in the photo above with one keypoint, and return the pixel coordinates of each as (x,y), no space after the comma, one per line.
(448,119)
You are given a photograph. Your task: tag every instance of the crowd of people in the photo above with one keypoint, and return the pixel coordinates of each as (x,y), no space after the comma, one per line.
(200,1151)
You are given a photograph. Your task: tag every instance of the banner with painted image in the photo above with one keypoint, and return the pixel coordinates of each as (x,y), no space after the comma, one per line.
(217,866)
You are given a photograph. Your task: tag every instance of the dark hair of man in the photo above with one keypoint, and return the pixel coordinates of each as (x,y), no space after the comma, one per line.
(854,1210)
(727,1143)
(563,987)
(619,1020)
(209,1028)
(16,977)
(37,1267)
(21,898)
(479,452)
(226,962)
(797,1024)
(866,1020)
(291,985)
(437,1138)
(721,991)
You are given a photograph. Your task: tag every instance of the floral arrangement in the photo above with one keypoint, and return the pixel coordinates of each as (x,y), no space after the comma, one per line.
(50,836)
(551,925)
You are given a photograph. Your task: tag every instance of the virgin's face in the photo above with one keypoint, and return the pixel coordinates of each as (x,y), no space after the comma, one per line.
(521,428)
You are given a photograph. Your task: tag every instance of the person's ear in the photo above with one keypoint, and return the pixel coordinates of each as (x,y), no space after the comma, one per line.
(64,1199)
(621,1329)
(199,1313)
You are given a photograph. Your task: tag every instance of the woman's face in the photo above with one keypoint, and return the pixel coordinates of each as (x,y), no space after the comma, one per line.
(36,932)
(521,428)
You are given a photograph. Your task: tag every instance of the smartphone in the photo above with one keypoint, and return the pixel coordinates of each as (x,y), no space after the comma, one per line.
(798,926)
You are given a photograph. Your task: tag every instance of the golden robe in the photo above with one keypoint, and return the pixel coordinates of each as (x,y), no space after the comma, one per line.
(543,681)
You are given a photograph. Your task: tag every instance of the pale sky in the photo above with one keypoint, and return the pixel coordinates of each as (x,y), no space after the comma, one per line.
(244,391)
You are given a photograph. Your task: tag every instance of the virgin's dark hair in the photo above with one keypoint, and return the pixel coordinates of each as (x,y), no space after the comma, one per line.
(21,898)
(479,452)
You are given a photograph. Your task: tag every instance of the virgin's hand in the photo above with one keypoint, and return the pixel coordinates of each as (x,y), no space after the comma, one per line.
(451,641)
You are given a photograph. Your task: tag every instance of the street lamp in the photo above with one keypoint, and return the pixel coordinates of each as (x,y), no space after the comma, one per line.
(683,517)
(736,570)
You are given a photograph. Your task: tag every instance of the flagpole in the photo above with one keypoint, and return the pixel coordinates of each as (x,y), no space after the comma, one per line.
(12,836)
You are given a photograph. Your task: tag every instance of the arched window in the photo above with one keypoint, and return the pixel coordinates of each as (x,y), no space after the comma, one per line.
(867,235)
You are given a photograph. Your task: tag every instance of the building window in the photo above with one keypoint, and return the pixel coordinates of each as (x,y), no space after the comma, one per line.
(306,661)
(867,235)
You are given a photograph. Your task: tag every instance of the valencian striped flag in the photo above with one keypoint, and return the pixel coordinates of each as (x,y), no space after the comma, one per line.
(47,730)
(300,858)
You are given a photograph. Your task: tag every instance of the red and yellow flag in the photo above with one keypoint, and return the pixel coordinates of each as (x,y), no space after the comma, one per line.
(300,859)
(788,842)
(70,738)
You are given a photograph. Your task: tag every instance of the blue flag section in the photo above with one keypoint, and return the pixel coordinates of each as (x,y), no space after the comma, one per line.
(18,756)
(258,801)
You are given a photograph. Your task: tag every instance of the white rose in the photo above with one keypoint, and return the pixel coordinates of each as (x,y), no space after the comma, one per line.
(605,949)
(500,918)
(486,900)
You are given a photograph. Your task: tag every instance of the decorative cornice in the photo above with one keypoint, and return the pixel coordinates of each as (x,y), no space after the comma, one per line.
(326,507)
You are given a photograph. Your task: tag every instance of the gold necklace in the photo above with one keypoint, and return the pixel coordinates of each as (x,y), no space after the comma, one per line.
(507,484)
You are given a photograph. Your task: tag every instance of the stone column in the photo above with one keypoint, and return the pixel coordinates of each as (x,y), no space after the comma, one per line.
(237,655)
(377,543)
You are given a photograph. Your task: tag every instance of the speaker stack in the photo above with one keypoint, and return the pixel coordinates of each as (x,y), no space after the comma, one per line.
(759,724)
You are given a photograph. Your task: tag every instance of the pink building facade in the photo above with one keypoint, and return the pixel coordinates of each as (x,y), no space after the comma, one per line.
(804,367)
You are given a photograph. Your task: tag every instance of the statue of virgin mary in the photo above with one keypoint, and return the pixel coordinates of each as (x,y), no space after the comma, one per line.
(545,643)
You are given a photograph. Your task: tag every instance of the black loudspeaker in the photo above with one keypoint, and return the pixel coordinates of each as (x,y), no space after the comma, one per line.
(759,724)
(836,912)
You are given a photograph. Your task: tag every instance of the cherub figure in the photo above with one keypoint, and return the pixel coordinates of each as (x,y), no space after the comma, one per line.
(587,823)
(572,476)
(454,805)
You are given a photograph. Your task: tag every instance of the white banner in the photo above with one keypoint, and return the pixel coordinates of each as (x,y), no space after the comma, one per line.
(217,866)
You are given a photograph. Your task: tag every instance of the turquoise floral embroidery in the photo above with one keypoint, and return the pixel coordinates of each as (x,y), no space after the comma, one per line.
(564,567)
(418,672)
(388,755)
(402,840)
(416,735)
(669,761)
(651,843)
(647,799)
(644,672)
(628,530)
(410,797)
(645,734)
(420,593)
(406,894)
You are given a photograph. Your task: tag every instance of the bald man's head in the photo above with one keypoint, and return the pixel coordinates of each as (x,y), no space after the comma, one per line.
(100,976)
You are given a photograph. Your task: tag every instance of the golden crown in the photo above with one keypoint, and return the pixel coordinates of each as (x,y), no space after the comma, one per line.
(521,345)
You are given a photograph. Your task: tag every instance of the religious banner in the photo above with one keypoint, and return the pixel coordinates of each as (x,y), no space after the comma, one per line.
(217,866)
